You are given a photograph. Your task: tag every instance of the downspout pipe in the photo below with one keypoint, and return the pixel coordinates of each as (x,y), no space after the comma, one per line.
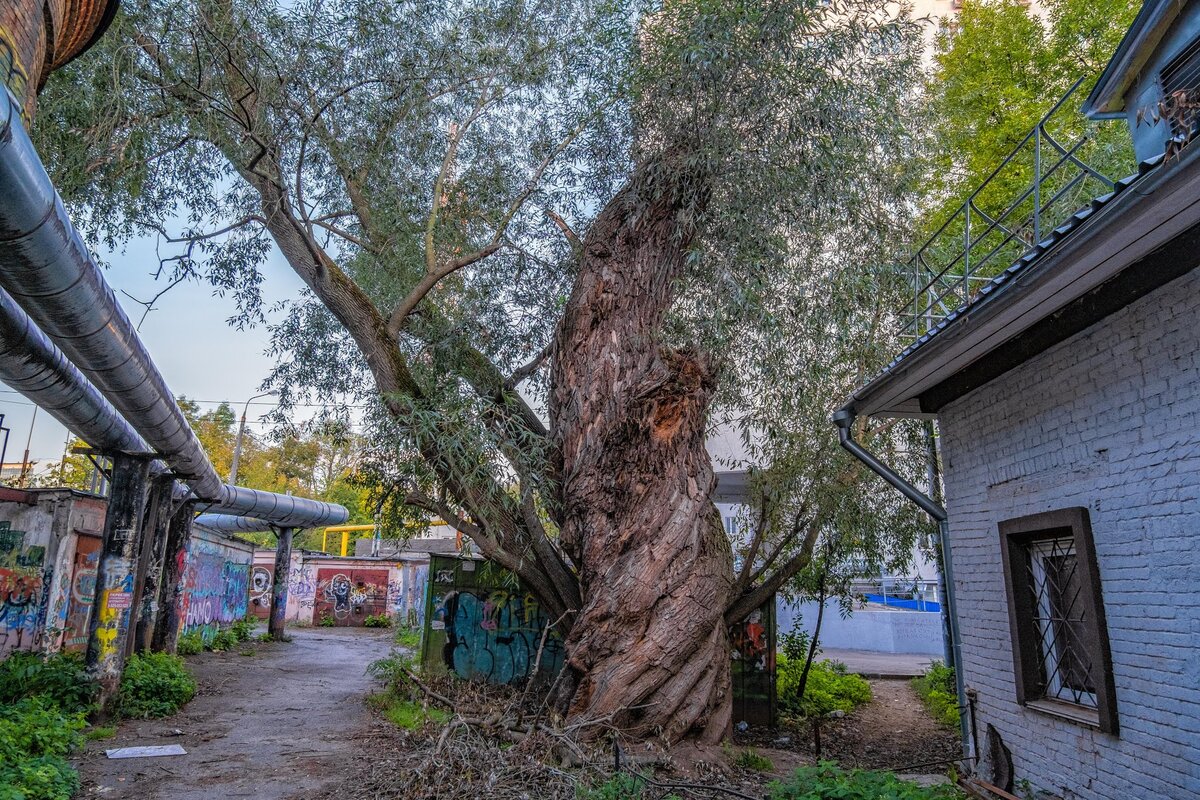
(844,420)
(75,343)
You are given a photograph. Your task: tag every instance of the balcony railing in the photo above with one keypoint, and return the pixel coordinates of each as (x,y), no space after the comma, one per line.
(1059,166)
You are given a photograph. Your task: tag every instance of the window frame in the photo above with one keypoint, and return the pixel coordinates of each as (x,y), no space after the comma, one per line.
(1019,537)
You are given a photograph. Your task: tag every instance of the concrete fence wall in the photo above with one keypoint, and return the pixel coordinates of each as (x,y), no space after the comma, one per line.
(917,632)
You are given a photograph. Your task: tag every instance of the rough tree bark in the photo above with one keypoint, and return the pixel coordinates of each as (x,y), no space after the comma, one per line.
(649,650)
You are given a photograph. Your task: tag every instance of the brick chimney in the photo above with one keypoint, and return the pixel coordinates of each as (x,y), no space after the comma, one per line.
(39,36)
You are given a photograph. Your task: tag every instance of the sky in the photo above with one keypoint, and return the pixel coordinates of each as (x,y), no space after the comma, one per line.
(199,354)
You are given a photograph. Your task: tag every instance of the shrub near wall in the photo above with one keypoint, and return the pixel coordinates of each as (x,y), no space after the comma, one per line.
(829,688)
(42,706)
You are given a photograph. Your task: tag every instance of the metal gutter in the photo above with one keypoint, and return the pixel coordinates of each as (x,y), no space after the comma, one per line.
(59,309)
(844,420)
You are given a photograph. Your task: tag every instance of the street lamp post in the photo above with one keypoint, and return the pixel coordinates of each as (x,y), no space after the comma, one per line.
(237,445)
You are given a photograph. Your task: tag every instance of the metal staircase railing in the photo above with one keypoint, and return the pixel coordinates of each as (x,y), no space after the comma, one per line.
(999,223)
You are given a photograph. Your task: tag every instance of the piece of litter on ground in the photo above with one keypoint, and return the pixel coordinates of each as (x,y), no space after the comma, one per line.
(146,752)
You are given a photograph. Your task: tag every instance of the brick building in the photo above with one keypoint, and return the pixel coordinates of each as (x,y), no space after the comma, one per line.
(1065,382)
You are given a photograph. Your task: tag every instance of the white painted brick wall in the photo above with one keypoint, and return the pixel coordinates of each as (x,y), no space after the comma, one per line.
(1109,420)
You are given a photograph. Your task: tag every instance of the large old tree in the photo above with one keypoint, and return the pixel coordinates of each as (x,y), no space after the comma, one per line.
(550,244)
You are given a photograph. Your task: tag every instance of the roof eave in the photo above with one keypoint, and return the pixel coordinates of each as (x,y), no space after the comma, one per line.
(1107,97)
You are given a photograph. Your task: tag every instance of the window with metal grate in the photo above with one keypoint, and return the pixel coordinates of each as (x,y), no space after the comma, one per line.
(1060,640)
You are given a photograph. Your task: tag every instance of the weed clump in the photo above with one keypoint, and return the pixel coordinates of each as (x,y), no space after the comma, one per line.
(155,685)
(190,644)
(377,621)
(937,688)
(828,780)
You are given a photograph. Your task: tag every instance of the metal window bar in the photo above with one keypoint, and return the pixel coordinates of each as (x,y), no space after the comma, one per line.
(1063,658)
(946,276)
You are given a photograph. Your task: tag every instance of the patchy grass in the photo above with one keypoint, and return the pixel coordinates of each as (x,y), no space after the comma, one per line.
(409,638)
(100,732)
(753,760)
(408,714)
(620,787)
(936,687)
(828,780)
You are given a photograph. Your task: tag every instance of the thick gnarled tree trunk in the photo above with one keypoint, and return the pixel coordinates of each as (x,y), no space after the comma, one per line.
(649,649)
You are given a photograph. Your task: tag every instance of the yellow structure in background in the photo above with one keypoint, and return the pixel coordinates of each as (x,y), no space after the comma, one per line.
(346,530)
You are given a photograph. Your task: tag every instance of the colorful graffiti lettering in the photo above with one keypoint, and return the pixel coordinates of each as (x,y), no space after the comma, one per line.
(24,587)
(216,587)
(12,73)
(495,637)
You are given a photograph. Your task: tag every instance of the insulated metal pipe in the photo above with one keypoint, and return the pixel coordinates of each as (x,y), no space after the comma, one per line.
(46,268)
(844,420)
(31,364)
(231,523)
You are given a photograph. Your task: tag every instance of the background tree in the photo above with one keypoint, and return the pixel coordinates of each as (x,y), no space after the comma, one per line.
(732,170)
(1000,65)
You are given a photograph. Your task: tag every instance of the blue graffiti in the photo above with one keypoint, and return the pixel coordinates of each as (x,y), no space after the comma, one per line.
(496,637)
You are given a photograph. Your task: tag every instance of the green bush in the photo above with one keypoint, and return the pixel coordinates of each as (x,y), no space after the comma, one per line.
(937,688)
(327,620)
(190,644)
(829,688)
(224,640)
(827,781)
(60,678)
(377,621)
(155,685)
(36,735)
(243,629)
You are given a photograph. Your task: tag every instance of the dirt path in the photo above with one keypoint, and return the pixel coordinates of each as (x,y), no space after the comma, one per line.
(280,723)
(893,731)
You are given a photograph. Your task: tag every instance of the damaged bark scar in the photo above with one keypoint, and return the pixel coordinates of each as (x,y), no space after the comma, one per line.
(682,394)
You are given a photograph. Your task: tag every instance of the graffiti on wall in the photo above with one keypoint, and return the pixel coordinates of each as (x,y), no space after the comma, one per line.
(495,635)
(261,580)
(216,587)
(81,593)
(349,596)
(302,586)
(406,594)
(24,584)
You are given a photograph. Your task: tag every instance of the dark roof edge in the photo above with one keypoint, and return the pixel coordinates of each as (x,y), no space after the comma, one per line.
(1143,36)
